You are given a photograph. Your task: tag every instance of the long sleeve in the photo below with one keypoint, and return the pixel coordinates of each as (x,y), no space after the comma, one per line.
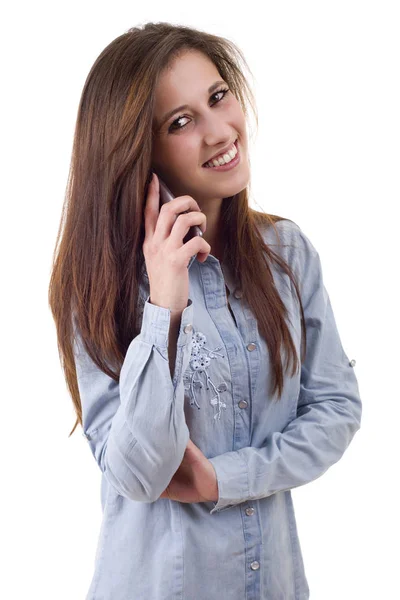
(136,429)
(328,410)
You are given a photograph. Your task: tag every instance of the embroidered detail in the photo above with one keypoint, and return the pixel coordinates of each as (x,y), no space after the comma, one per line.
(199,362)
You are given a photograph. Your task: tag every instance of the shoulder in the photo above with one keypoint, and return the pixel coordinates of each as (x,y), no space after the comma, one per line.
(290,242)
(287,238)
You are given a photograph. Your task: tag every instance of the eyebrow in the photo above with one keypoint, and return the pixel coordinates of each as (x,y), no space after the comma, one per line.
(184,106)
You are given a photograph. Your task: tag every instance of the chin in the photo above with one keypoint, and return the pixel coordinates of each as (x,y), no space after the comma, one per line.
(231,190)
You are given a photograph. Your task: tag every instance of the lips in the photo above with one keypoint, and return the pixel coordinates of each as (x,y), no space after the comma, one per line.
(220,153)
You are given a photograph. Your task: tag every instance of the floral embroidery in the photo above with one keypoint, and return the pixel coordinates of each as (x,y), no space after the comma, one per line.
(199,362)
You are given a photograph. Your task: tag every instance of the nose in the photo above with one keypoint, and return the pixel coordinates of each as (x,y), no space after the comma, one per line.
(216,132)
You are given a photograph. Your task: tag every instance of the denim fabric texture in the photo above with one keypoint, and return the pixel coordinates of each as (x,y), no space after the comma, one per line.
(244,546)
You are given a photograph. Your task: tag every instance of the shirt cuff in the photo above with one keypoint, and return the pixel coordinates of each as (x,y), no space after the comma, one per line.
(156,322)
(232,477)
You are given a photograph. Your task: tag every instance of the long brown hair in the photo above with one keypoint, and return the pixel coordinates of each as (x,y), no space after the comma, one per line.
(98,260)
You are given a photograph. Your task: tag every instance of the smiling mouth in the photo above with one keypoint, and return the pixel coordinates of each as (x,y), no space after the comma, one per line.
(210,160)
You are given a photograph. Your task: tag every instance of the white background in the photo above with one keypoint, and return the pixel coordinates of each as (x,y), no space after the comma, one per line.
(326,81)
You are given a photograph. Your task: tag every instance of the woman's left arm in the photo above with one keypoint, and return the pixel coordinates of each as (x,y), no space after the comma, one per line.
(328,410)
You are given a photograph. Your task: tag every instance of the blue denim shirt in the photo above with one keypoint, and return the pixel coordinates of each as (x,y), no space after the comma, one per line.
(245,545)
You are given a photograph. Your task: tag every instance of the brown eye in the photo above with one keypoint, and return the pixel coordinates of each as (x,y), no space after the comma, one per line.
(173,126)
(223,91)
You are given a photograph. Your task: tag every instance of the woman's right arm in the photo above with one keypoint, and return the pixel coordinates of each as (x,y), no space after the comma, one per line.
(136,429)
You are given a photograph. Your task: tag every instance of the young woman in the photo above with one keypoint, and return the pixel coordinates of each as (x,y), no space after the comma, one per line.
(208,388)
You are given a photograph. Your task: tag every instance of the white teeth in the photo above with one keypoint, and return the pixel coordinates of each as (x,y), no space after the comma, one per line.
(222,160)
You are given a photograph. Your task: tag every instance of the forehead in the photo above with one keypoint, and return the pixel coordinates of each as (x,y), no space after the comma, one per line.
(187,77)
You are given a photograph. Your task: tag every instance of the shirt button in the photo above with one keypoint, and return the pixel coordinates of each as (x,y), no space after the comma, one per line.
(250,511)
(352,363)
(238,293)
(87,436)
(188,328)
(242,404)
(255,565)
(251,347)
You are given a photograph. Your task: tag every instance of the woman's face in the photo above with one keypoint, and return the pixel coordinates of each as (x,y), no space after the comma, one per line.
(191,136)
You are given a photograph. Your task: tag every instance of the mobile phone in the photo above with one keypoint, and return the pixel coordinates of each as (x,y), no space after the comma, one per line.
(166,196)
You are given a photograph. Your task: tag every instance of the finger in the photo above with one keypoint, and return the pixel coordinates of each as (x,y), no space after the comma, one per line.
(169,213)
(183,224)
(197,245)
(152,207)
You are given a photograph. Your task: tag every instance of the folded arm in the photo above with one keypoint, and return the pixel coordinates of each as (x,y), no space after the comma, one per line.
(328,410)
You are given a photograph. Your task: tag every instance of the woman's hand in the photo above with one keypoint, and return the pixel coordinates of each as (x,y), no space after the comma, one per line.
(195,480)
(166,256)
